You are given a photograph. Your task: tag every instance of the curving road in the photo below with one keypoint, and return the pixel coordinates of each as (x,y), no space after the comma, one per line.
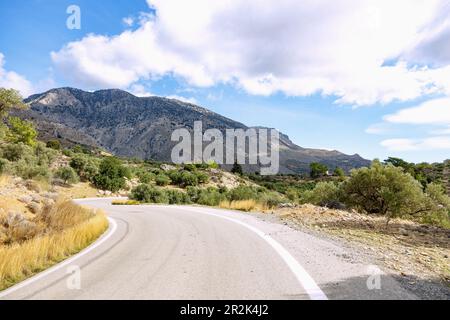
(183,252)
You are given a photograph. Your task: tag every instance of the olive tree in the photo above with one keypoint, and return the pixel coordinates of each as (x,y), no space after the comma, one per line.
(384,189)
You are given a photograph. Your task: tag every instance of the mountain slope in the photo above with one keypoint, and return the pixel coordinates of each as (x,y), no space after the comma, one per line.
(130,126)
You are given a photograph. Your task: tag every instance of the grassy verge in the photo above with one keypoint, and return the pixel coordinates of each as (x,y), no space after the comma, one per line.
(244,205)
(65,229)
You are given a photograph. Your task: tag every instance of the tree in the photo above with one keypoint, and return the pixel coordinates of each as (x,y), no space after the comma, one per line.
(237,168)
(317,170)
(21,131)
(111,175)
(9,98)
(384,189)
(339,172)
(54,144)
(400,163)
(67,174)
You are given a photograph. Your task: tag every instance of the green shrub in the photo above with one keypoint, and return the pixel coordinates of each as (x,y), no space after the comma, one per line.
(16,151)
(385,190)
(54,144)
(202,177)
(27,170)
(21,131)
(190,167)
(86,168)
(188,179)
(325,194)
(111,175)
(208,197)
(45,156)
(243,193)
(317,170)
(162,180)
(145,176)
(67,174)
(3,165)
(148,194)
(178,197)
(271,199)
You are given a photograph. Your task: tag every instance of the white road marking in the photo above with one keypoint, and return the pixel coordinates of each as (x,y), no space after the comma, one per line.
(306,281)
(45,273)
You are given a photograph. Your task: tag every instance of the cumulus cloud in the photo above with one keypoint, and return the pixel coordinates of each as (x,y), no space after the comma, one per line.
(436,111)
(295,47)
(11,79)
(431,143)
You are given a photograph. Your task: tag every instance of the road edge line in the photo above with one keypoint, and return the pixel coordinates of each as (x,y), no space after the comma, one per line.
(306,281)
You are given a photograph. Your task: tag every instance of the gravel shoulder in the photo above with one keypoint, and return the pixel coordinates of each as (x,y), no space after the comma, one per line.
(417,256)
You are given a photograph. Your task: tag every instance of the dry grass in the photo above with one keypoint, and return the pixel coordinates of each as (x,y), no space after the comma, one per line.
(77,191)
(125,203)
(244,205)
(55,234)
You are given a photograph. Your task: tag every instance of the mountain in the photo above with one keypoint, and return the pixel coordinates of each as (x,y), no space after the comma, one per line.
(130,126)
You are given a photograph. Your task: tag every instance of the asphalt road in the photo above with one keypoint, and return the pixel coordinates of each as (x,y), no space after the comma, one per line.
(183,252)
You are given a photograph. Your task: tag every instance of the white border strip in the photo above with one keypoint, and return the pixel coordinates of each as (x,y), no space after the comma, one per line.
(306,281)
(113,228)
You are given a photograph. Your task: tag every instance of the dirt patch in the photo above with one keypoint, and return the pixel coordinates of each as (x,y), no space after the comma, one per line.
(412,250)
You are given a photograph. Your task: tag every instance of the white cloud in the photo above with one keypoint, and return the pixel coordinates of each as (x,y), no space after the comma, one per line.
(139,91)
(295,47)
(432,143)
(436,111)
(183,99)
(11,79)
(128,21)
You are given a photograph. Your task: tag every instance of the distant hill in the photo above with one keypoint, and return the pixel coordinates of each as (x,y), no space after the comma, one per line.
(130,126)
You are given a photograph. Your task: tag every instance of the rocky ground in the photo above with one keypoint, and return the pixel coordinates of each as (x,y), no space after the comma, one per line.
(417,254)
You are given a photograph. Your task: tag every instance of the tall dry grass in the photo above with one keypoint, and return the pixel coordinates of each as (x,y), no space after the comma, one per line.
(66,229)
(244,205)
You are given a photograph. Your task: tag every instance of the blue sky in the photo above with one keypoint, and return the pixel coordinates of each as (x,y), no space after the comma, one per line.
(352,77)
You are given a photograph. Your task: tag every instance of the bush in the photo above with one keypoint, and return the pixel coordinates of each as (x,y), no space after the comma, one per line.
(16,151)
(271,199)
(148,194)
(317,170)
(202,177)
(243,193)
(3,165)
(21,131)
(54,144)
(86,168)
(111,175)
(385,190)
(28,170)
(67,174)
(177,197)
(326,194)
(438,205)
(188,179)
(145,177)
(162,180)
